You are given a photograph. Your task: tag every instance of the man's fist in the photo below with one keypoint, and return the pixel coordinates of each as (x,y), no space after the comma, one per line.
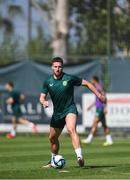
(45,104)
(43,101)
(103,98)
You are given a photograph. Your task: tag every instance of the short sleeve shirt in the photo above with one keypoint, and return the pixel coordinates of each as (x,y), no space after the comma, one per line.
(61,92)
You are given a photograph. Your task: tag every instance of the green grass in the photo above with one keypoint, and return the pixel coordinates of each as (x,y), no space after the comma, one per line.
(23,157)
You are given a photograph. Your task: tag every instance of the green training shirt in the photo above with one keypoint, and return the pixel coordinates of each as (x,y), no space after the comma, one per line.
(16,110)
(62,93)
(16,98)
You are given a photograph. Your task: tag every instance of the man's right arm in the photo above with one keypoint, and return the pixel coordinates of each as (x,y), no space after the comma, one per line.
(43,100)
(90,106)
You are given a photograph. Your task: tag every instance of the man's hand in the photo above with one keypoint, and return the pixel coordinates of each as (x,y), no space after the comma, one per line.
(9,100)
(94,90)
(105,110)
(43,101)
(88,108)
(45,104)
(102,98)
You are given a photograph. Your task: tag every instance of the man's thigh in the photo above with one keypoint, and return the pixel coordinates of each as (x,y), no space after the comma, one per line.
(71,119)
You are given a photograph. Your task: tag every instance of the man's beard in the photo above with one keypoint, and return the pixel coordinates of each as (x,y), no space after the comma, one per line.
(59,74)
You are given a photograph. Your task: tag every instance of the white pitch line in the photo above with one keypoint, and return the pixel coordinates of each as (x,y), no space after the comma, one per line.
(63,171)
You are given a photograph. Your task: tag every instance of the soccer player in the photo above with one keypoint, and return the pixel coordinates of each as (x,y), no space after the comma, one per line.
(15,99)
(99,116)
(60,86)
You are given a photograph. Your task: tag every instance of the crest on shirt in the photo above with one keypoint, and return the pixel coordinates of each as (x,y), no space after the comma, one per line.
(65,83)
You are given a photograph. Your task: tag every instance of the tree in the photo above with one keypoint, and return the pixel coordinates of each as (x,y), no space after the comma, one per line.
(37,47)
(92,26)
(57,15)
(9,44)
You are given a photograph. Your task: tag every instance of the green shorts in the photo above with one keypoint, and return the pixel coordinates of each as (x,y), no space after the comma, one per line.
(101,115)
(17,111)
(59,121)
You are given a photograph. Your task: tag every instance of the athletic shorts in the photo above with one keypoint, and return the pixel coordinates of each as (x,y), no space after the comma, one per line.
(101,115)
(59,122)
(17,111)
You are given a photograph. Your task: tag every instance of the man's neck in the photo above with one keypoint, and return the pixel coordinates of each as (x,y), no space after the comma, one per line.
(10,90)
(58,77)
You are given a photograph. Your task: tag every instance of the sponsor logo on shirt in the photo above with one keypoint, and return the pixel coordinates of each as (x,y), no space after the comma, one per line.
(51,84)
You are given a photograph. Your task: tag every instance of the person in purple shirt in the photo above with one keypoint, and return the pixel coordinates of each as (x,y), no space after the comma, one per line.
(99,116)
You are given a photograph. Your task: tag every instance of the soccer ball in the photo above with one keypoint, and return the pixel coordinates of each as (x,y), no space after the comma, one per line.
(58,162)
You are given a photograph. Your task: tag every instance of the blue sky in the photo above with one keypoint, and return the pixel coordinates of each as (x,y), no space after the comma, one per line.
(21,22)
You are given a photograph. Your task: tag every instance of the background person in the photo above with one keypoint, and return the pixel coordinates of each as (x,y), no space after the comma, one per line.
(99,116)
(15,99)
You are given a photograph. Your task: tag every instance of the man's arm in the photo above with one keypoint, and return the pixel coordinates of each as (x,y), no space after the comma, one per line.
(90,86)
(90,106)
(43,100)
(22,98)
(9,100)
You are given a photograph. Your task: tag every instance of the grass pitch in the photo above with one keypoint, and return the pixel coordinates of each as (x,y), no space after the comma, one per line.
(24,156)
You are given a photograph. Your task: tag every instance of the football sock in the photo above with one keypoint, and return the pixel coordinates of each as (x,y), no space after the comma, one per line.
(31,125)
(90,137)
(13,132)
(109,138)
(78,152)
(52,156)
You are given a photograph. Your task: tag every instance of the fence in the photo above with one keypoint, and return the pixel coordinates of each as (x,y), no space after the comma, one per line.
(28,78)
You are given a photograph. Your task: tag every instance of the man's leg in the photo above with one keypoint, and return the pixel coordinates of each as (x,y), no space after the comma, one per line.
(71,127)
(12,134)
(92,132)
(24,121)
(54,135)
(54,142)
(109,140)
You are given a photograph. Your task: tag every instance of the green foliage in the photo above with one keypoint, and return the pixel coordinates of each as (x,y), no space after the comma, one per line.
(38,47)
(90,26)
(92,15)
(9,51)
(15,10)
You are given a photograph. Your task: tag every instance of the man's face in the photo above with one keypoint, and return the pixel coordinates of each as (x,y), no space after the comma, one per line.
(8,87)
(93,82)
(57,68)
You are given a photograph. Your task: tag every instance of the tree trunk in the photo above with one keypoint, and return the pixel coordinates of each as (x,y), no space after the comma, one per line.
(60,29)
(58,25)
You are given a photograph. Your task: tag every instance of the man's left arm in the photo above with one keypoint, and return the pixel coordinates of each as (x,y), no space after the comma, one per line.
(9,100)
(90,86)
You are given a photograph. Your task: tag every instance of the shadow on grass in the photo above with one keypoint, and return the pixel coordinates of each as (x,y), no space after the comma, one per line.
(97,167)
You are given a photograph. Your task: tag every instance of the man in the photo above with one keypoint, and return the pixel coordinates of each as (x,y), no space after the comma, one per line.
(15,99)
(60,86)
(99,116)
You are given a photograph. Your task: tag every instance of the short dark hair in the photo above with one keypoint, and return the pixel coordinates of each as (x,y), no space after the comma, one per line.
(57,59)
(10,83)
(96,78)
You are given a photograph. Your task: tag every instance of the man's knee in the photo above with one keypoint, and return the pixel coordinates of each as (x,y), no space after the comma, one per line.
(71,131)
(95,124)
